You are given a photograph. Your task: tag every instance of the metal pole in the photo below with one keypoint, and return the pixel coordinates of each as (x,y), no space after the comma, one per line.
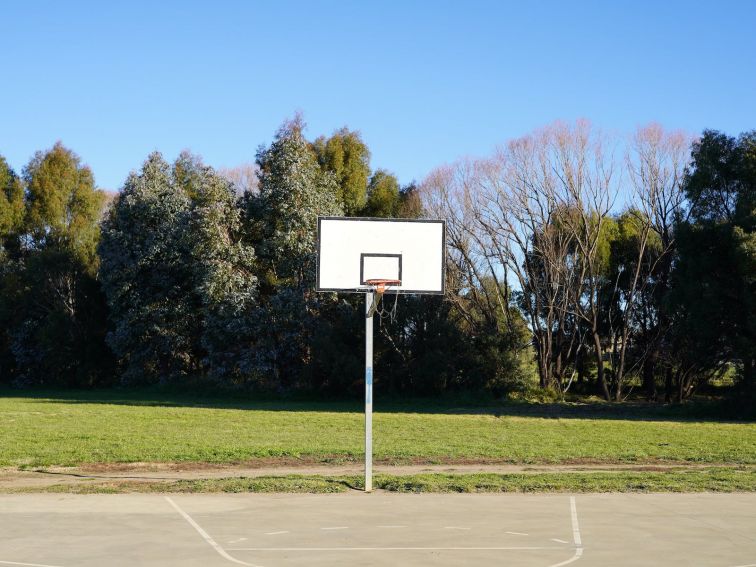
(369,299)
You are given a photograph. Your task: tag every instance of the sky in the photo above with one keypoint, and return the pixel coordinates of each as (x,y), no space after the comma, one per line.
(425,83)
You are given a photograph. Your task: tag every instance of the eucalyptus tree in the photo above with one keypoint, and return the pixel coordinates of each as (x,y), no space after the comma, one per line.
(11,209)
(55,313)
(11,221)
(224,272)
(294,191)
(384,197)
(148,277)
(347,157)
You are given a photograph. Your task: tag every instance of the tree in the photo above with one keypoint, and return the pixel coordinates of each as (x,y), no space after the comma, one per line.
(179,277)
(383,195)
(535,212)
(656,165)
(11,221)
(294,191)
(52,306)
(347,157)
(62,205)
(715,277)
(242,177)
(11,208)
(478,262)
(224,271)
(148,278)
(410,202)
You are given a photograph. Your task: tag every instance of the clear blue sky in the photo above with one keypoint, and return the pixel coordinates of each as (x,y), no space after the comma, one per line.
(425,82)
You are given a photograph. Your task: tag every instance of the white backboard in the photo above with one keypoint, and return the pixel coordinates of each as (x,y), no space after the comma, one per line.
(352,250)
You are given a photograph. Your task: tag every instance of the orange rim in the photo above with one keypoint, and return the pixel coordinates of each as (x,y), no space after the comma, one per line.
(380,284)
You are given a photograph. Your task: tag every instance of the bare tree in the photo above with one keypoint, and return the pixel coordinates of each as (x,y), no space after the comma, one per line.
(656,163)
(524,214)
(450,192)
(534,224)
(519,212)
(244,178)
(584,174)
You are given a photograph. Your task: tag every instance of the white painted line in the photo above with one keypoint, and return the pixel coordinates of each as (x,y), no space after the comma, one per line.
(336,528)
(277,533)
(575,536)
(578,554)
(575,525)
(241,539)
(749,565)
(26,564)
(522,548)
(206,536)
(515,533)
(455,528)
(559,540)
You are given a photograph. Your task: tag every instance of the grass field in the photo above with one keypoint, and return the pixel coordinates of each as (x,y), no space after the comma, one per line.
(116,427)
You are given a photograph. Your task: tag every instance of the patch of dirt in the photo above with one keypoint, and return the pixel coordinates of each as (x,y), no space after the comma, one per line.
(14,479)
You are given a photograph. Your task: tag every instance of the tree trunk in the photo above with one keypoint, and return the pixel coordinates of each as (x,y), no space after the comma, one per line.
(543,371)
(680,386)
(649,383)
(668,385)
(600,367)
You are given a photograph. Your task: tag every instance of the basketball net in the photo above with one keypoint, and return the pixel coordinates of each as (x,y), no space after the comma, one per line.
(379,287)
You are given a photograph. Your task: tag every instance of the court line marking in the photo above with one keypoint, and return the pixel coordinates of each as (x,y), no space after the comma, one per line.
(559,540)
(749,565)
(456,528)
(215,545)
(521,548)
(275,533)
(26,564)
(575,524)
(515,533)
(575,536)
(336,528)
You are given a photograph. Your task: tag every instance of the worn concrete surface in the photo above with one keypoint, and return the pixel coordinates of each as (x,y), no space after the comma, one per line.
(378,529)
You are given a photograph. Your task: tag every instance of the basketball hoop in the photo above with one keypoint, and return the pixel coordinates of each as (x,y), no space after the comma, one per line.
(379,286)
(373,256)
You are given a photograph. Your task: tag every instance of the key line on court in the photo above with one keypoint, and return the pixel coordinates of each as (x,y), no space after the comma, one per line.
(577,539)
(206,536)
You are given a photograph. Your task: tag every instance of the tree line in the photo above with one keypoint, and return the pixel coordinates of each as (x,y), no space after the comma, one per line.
(633,272)
(569,269)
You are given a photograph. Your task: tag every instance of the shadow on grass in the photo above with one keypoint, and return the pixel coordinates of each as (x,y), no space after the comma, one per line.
(701,410)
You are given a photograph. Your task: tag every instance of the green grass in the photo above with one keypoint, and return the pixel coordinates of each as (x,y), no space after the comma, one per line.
(714,480)
(115,427)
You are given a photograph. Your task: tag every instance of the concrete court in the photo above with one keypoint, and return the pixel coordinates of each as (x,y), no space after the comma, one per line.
(547,530)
